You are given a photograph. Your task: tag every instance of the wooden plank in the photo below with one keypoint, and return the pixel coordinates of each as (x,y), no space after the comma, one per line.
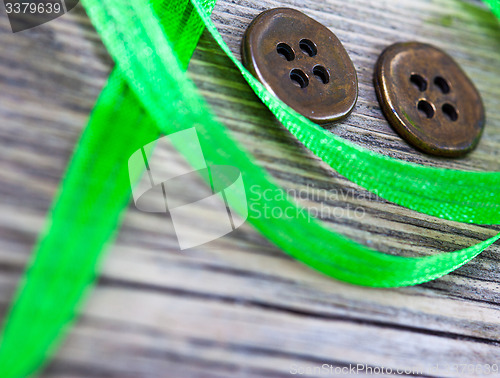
(238,306)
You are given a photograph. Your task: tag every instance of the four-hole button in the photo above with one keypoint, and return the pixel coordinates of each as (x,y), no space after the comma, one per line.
(428,99)
(302,63)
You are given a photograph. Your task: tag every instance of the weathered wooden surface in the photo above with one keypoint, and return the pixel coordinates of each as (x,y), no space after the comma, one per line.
(239,306)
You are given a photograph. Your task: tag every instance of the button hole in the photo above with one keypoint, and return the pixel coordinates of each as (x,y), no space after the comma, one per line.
(426,108)
(419,82)
(450,112)
(299,78)
(308,47)
(285,51)
(442,84)
(321,73)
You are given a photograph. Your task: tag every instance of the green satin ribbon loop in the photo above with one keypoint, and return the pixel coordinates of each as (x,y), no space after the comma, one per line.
(463,196)
(149,92)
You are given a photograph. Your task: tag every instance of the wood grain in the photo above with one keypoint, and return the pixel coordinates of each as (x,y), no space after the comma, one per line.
(239,306)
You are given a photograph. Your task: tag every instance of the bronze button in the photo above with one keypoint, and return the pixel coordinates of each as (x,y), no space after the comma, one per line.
(302,63)
(428,99)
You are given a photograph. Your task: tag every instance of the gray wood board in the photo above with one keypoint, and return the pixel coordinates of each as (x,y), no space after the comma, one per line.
(239,306)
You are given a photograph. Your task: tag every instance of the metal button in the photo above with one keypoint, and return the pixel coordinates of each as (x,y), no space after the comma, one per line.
(428,99)
(302,63)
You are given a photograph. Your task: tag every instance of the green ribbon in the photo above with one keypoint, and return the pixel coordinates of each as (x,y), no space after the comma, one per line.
(148,93)
(495,6)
